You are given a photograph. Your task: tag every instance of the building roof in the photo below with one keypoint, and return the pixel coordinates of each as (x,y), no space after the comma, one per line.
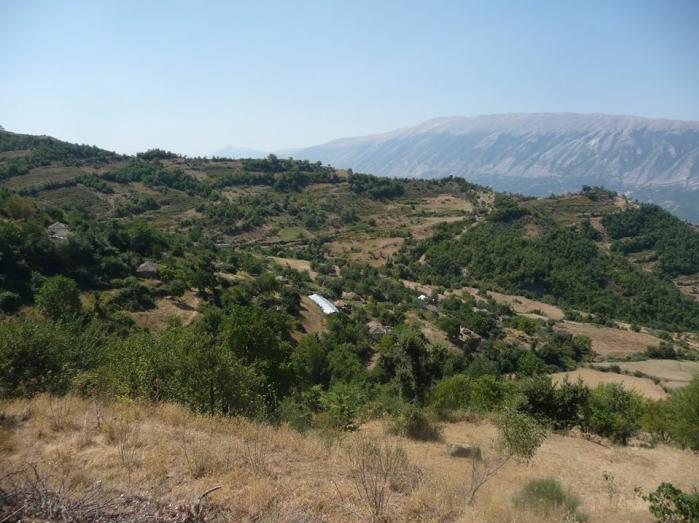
(58,229)
(325,305)
(147,266)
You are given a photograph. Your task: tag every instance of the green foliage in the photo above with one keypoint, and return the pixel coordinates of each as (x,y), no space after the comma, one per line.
(613,412)
(560,405)
(684,409)
(413,423)
(45,356)
(561,264)
(376,188)
(59,297)
(670,505)
(450,393)
(547,495)
(133,297)
(506,209)
(674,241)
(520,434)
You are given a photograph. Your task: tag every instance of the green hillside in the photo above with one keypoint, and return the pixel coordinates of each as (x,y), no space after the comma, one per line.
(434,278)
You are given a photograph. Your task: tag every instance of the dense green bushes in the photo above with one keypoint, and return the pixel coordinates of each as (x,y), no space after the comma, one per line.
(648,227)
(560,265)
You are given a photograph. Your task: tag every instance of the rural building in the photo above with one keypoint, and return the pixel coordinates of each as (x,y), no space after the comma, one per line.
(58,230)
(352,296)
(147,269)
(325,305)
(343,306)
(377,330)
(465,334)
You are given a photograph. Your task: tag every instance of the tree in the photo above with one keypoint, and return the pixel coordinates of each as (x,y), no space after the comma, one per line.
(520,436)
(59,297)
(684,408)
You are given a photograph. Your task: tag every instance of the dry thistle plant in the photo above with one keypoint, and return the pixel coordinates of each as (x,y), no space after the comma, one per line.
(374,467)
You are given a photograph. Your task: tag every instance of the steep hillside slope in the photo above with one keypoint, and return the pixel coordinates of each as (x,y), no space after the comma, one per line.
(538,154)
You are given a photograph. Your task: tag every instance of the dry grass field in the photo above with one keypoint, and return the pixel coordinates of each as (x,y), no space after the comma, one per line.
(522,305)
(297,265)
(312,318)
(607,341)
(183,308)
(592,378)
(671,373)
(146,456)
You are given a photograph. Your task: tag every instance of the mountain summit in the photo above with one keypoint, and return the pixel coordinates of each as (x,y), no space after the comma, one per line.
(538,154)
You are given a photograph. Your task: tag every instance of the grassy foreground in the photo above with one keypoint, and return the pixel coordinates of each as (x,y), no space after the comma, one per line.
(125,461)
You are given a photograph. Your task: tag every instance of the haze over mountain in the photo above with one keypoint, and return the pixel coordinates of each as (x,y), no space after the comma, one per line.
(538,154)
(234,151)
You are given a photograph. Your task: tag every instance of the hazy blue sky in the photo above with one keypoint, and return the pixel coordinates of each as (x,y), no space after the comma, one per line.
(195,76)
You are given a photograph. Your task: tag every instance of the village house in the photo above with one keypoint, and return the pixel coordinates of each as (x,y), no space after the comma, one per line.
(58,230)
(147,269)
(377,330)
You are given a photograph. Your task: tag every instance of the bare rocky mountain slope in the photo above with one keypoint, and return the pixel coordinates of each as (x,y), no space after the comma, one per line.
(538,154)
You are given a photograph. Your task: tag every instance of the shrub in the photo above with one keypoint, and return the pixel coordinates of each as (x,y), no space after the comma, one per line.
(613,412)
(414,424)
(670,505)
(9,301)
(375,467)
(450,393)
(58,297)
(547,495)
(665,351)
(684,412)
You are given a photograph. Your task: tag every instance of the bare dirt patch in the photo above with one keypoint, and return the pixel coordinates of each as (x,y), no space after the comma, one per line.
(607,341)
(183,308)
(592,378)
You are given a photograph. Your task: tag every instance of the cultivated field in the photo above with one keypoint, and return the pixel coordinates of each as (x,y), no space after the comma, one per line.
(671,373)
(183,308)
(591,377)
(607,341)
(143,457)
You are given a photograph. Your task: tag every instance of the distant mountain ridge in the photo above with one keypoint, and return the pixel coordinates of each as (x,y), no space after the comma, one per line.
(538,154)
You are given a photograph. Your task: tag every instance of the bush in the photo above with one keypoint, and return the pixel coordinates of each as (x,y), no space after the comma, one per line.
(58,297)
(450,393)
(9,301)
(414,424)
(665,351)
(613,412)
(670,505)
(547,495)
(684,413)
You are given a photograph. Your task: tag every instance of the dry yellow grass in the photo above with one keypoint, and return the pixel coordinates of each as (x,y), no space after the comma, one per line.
(608,341)
(183,308)
(312,318)
(591,377)
(165,452)
(298,265)
(671,373)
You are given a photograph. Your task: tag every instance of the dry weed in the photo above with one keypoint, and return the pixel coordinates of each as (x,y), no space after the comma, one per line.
(374,467)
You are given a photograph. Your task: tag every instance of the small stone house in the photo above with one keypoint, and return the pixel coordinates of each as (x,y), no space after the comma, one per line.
(147,269)
(377,330)
(58,230)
